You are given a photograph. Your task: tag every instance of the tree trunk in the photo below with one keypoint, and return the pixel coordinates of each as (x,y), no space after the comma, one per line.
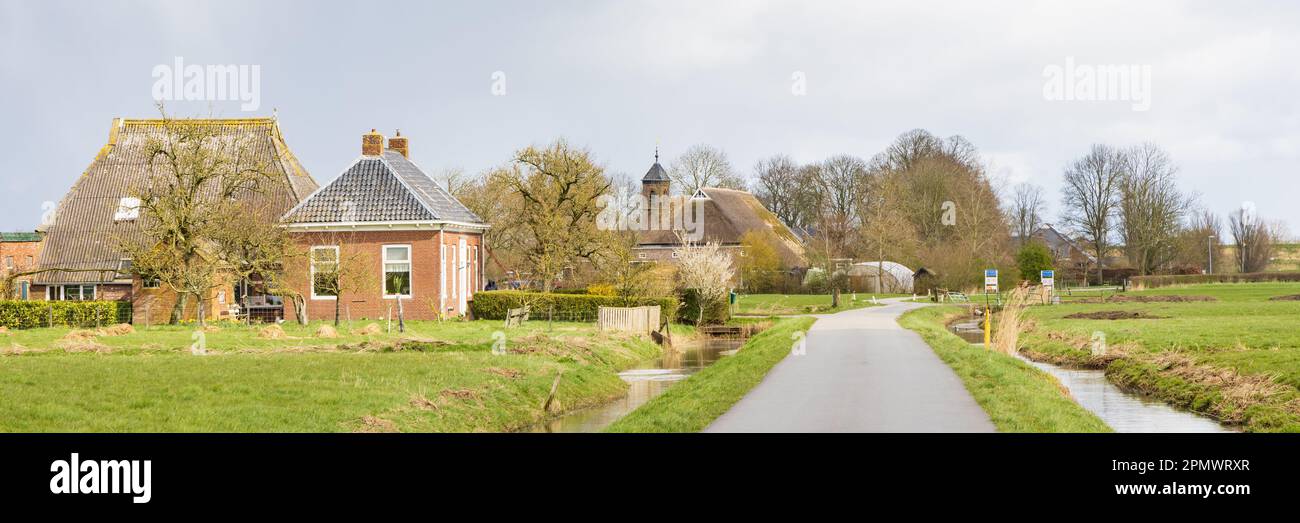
(401,316)
(835,297)
(338,299)
(178,310)
(199,309)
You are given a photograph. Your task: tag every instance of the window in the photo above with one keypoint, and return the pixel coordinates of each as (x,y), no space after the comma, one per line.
(640,255)
(30,262)
(124,271)
(128,208)
(397,270)
(25,289)
(442,278)
(70,293)
(151,283)
(324,272)
(9,263)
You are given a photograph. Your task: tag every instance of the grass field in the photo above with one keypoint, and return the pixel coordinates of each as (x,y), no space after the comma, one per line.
(693,404)
(785,304)
(436,377)
(1236,358)
(1016,396)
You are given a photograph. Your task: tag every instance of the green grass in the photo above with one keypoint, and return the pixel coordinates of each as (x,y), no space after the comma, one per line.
(1254,340)
(447,380)
(693,404)
(1016,396)
(786,304)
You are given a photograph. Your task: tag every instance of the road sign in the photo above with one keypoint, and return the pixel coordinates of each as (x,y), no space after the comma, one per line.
(1048,277)
(991,280)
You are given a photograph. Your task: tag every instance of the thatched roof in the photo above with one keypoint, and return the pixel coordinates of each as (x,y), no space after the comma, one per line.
(84,232)
(728,215)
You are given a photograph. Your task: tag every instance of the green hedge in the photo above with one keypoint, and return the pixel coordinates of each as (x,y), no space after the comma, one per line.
(716,313)
(493,305)
(1151,282)
(31,314)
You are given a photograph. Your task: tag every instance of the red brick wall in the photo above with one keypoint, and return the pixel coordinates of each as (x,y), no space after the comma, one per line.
(365,250)
(19,252)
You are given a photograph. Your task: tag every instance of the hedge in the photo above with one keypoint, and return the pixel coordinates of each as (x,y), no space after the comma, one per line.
(1150,282)
(493,305)
(31,314)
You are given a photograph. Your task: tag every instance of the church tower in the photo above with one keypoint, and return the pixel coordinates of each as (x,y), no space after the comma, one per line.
(655,182)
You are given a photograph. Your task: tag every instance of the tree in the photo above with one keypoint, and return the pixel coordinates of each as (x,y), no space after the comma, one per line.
(337,271)
(1199,239)
(706,270)
(1027,207)
(1033,258)
(1091,197)
(1151,208)
(1254,239)
(559,188)
(703,166)
(256,249)
(760,265)
(782,186)
(842,184)
(198,179)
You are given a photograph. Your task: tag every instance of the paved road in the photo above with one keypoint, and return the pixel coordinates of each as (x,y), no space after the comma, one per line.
(862,373)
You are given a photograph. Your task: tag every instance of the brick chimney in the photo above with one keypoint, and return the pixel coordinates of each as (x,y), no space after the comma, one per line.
(398,143)
(372,143)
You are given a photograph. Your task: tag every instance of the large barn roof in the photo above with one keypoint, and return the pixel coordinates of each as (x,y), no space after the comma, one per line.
(84,232)
(728,215)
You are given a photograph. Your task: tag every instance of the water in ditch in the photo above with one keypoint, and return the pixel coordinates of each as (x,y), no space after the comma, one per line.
(1122,411)
(644,383)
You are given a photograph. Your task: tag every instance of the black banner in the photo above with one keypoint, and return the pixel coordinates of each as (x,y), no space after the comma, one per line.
(147,472)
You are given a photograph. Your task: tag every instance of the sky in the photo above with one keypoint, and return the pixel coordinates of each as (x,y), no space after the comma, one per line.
(471,82)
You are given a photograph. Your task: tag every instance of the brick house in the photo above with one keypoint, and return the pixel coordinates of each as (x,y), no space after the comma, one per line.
(407,236)
(19,252)
(97,212)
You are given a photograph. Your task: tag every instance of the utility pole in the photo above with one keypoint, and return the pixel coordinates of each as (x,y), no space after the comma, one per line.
(1210,251)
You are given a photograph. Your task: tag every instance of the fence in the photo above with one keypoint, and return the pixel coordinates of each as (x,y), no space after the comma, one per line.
(629,319)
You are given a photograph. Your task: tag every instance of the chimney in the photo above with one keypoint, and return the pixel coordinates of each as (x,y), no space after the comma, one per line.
(398,143)
(372,143)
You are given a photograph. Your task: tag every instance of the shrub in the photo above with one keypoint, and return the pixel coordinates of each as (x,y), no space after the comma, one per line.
(32,314)
(1032,258)
(602,289)
(715,313)
(493,305)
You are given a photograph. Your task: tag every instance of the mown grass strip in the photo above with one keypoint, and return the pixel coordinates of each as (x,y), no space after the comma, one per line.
(1016,396)
(693,404)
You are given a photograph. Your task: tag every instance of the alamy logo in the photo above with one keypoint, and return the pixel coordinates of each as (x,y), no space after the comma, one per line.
(1098,83)
(102,477)
(212,83)
(624,211)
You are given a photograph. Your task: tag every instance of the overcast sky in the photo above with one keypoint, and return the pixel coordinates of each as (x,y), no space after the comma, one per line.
(617,77)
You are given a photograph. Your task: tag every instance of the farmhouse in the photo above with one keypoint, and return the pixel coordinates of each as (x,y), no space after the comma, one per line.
(727,215)
(80,253)
(393,232)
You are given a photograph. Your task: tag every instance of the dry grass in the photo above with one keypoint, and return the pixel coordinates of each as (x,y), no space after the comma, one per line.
(326,331)
(1010,322)
(369,330)
(272,332)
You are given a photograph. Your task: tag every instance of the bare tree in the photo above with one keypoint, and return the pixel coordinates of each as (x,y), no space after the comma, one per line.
(1151,208)
(703,166)
(1254,239)
(779,185)
(1199,239)
(1026,213)
(1091,197)
(841,183)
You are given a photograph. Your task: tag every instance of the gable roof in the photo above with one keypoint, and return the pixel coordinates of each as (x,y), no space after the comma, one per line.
(83,233)
(728,215)
(1060,244)
(384,188)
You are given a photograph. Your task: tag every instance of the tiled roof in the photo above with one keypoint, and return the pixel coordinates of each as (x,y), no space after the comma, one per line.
(19,237)
(655,174)
(83,234)
(383,188)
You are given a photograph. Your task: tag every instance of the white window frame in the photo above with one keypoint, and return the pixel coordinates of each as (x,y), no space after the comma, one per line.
(311,261)
(383,269)
(442,275)
(61,292)
(10,262)
(128,209)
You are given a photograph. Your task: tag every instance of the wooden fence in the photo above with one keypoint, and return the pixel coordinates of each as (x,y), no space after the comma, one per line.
(628,319)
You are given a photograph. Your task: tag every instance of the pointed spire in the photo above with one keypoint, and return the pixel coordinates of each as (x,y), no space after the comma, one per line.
(656,153)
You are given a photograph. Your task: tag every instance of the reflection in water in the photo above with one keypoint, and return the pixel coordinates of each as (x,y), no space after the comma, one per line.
(644,383)
(1120,410)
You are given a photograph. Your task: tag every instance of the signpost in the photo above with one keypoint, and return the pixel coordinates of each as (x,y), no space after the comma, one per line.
(1048,278)
(990,285)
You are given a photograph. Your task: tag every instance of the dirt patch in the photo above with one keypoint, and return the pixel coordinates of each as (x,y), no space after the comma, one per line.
(374,424)
(1173,298)
(326,331)
(460,394)
(79,344)
(1289,297)
(1113,315)
(420,402)
(211,328)
(369,330)
(4,331)
(272,332)
(120,329)
(506,372)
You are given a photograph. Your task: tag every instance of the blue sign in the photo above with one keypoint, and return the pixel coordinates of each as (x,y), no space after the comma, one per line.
(1047,274)
(990,273)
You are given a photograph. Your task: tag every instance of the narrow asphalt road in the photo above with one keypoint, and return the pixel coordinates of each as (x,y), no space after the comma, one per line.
(862,372)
